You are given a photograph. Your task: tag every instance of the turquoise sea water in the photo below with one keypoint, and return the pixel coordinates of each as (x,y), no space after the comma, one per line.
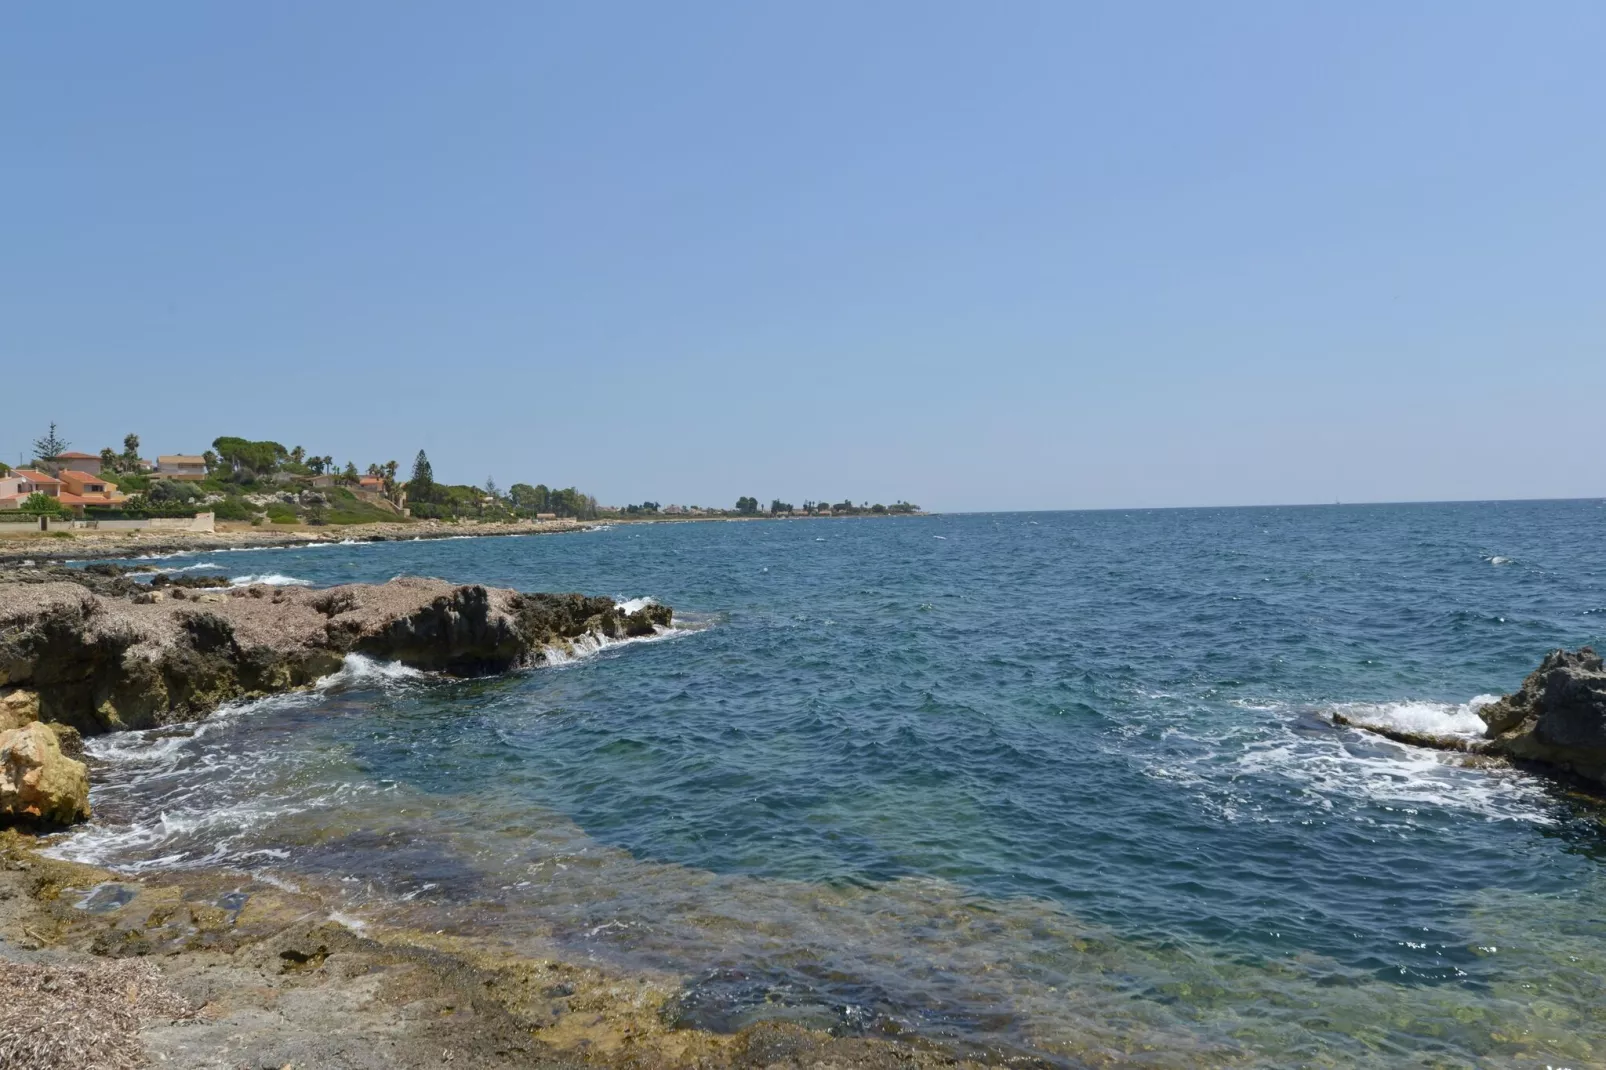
(1058,785)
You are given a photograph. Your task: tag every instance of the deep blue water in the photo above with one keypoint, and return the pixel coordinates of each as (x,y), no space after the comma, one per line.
(1055,783)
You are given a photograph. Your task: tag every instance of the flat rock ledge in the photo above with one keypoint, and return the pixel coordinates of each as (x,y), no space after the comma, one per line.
(1557,719)
(76,660)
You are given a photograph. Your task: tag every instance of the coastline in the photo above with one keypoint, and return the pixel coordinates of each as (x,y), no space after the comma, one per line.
(17,546)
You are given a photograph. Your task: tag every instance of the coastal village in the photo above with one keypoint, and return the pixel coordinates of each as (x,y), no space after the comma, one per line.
(265,484)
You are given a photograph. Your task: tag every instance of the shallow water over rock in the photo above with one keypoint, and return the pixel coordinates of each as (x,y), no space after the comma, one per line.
(1060,785)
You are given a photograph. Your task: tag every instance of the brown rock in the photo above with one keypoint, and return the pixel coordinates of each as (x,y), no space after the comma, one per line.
(37,782)
(18,707)
(1557,717)
(103,663)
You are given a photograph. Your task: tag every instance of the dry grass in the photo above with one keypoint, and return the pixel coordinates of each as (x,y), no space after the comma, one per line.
(80,1017)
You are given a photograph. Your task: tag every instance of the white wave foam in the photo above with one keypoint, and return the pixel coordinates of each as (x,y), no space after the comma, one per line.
(360,670)
(1430,718)
(1497,560)
(269,579)
(1336,773)
(590,645)
(634,605)
(204,566)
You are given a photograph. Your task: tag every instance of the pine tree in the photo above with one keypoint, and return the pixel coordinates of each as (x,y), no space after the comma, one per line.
(51,446)
(423,475)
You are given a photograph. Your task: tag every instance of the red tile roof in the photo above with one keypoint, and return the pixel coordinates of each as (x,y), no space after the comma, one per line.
(76,456)
(34,477)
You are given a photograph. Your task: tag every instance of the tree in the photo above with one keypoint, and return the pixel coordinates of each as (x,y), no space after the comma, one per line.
(249,459)
(51,445)
(421,488)
(490,488)
(350,474)
(298,455)
(423,474)
(376,471)
(777,507)
(131,447)
(211,461)
(747,506)
(108,460)
(315,465)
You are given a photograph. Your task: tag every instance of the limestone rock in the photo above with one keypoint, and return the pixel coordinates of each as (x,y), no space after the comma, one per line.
(39,784)
(1557,717)
(18,706)
(105,663)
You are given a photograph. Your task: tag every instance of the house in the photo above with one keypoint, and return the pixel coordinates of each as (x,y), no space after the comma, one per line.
(181,466)
(22,483)
(74,489)
(79,489)
(78,462)
(328,479)
(372,484)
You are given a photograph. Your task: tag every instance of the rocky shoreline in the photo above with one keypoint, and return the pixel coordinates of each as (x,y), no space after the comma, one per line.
(1556,721)
(217,968)
(94,545)
(89,651)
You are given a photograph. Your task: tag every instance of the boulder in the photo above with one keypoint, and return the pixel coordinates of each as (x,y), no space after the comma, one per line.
(1557,717)
(38,783)
(18,706)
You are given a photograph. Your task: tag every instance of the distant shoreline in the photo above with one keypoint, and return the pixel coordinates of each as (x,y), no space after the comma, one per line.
(93,546)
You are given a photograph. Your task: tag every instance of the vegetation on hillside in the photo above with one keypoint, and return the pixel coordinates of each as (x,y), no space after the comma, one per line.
(262,481)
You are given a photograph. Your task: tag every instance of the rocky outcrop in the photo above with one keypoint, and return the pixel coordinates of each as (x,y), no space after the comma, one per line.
(106,661)
(38,783)
(1557,718)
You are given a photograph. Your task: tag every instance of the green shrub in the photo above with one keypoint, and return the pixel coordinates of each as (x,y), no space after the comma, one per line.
(37,504)
(232,508)
(280,513)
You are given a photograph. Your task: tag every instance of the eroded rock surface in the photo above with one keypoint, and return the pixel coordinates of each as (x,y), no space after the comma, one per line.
(1557,717)
(38,783)
(100,661)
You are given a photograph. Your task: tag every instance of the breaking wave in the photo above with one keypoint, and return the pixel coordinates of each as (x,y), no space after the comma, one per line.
(269,579)
(1427,718)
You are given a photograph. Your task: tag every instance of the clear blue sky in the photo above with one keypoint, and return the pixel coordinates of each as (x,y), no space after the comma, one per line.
(978,255)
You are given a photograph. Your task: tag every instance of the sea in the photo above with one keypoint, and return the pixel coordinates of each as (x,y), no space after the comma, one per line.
(1057,789)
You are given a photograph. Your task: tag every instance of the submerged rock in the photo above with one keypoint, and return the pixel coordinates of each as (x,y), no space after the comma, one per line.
(38,783)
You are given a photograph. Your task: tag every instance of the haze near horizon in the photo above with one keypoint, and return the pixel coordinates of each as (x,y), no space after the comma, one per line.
(1023,256)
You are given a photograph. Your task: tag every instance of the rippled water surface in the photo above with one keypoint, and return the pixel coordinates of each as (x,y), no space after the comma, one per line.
(1058,784)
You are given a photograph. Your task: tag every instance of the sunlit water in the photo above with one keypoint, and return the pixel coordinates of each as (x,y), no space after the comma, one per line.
(1050,784)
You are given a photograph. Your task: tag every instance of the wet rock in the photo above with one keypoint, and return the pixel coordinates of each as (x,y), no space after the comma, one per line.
(1557,717)
(101,663)
(38,783)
